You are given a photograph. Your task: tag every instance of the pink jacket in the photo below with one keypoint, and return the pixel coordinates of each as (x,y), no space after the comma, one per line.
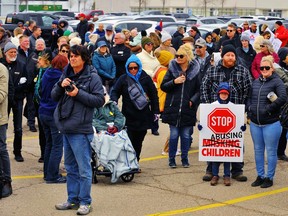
(255,68)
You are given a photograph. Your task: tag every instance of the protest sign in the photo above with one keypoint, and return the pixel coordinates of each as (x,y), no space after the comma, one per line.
(221,139)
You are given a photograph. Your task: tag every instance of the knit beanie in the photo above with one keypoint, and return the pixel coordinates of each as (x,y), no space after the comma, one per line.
(66,33)
(145,40)
(164,57)
(245,37)
(282,53)
(165,36)
(186,49)
(228,48)
(216,31)
(9,46)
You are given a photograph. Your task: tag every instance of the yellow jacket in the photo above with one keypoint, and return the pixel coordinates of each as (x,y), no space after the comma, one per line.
(158,78)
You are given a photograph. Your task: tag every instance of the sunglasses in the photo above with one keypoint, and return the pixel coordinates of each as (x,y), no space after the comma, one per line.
(179,56)
(132,68)
(262,46)
(265,67)
(64,51)
(149,43)
(229,30)
(198,47)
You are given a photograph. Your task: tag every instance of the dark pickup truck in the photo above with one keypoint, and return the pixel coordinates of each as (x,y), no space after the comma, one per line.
(44,20)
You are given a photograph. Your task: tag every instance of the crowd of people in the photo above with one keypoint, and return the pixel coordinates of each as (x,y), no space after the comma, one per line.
(170,76)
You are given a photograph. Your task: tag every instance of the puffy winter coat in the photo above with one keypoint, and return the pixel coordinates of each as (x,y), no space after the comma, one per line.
(177,111)
(260,109)
(104,65)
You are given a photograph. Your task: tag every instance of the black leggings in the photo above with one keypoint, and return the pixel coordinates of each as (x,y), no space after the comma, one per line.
(136,138)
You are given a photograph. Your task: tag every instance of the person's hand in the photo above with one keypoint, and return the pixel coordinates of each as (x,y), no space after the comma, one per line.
(156,117)
(200,127)
(112,130)
(179,80)
(190,104)
(243,127)
(65,82)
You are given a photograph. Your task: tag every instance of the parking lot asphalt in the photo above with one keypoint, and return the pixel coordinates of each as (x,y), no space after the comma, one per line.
(158,190)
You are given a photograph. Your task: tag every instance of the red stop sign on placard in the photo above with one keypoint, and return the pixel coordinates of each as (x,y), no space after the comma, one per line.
(221,120)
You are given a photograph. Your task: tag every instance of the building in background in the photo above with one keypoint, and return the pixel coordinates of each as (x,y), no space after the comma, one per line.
(199,7)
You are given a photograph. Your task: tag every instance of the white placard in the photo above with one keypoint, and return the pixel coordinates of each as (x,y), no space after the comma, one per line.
(221,139)
(276,43)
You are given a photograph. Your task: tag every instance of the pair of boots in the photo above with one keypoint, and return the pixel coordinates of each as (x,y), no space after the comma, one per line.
(5,189)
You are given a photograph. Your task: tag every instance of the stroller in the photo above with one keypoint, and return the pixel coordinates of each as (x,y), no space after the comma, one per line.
(113,156)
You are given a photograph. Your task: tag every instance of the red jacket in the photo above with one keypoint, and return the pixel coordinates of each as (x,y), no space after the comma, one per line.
(255,67)
(282,34)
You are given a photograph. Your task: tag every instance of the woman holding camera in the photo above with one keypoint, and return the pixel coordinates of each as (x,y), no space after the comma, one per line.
(78,92)
(266,97)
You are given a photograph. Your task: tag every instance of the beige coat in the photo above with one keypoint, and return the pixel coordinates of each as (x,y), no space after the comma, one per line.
(4,77)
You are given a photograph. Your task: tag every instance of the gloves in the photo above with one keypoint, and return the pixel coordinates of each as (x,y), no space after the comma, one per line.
(243,127)
(200,127)
(112,130)
(22,80)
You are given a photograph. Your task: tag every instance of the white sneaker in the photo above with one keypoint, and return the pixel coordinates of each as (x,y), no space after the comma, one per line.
(178,152)
(164,153)
(84,210)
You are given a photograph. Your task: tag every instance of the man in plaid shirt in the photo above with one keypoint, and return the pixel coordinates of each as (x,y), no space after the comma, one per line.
(240,81)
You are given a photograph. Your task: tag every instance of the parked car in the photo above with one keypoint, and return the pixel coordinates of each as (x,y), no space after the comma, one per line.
(181,16)
(205,21)
(262,17)
(240,21)
(156,18)
(171,28)
(151,12)
(149,26)
(91,13)
(65,13)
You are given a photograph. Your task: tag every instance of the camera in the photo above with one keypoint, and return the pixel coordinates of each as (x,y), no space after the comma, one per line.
(70,87)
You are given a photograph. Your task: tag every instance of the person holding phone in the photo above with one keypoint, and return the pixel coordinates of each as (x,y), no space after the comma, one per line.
(182,85)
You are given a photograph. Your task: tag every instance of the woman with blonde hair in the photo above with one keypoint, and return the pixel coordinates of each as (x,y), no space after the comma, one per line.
(155,39)
(182,85)
(259,39)
(266,50)
(264,103)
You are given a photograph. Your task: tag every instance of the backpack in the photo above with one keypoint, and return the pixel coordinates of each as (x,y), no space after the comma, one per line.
(284,116)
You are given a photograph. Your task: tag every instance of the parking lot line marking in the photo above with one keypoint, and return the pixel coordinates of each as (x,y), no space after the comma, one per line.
(163,156)
(27,177)
(23,138)
(216,205)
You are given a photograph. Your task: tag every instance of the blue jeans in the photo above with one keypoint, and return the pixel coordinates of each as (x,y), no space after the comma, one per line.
(77,158)
(266,136)
(53,149)
(215,168)
(185,136)
(5,169)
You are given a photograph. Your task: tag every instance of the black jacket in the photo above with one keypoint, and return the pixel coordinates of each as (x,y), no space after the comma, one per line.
(246,57)
(177,111)
(82,28)
(235,41)
(138,120)
(260,109)
(177,40)
(75,114)
(16,71)
(120,54)
(31,66)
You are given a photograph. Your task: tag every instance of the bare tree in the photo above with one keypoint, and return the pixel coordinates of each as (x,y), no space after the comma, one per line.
(141,3)
(163,6)
(222,5)
(205,3)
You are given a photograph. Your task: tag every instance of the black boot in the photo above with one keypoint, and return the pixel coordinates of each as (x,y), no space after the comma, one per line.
(7,189)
